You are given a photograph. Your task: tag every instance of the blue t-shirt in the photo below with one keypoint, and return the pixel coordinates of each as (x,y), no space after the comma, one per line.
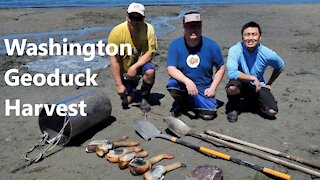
(253,63)
(196,63)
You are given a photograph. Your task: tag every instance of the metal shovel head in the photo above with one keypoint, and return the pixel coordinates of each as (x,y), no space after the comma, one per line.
(177,126)
(146,129)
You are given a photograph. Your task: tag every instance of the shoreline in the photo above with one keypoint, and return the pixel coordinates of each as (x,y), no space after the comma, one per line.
(162,5)
(289,30)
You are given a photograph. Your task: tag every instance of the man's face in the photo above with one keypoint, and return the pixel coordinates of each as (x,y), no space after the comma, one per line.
(135,20)
(251,37)
(192,31)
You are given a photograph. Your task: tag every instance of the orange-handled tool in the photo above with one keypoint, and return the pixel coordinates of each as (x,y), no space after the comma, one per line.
(148,131)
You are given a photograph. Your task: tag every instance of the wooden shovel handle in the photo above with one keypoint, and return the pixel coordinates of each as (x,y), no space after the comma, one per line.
(301,160)
(271,151)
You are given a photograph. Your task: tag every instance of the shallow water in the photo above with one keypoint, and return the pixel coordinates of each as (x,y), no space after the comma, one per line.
(99,3)
(76,64)
(67,64)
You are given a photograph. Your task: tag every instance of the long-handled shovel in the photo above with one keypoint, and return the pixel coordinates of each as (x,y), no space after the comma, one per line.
(271,151)
(181,129)
(148,131)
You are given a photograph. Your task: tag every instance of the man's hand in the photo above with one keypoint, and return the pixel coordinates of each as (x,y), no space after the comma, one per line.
(256,82)
(132,72)
(274,76)
(121,89)
(210,92)
(268,86)
(192,88)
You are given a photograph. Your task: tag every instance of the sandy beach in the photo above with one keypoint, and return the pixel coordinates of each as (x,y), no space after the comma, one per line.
(290,30)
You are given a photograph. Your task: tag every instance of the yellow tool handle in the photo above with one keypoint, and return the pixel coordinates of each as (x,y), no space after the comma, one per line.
(215,153)
(277,173)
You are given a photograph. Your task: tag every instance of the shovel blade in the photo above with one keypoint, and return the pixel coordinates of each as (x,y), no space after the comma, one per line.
(176,126)
(146,129)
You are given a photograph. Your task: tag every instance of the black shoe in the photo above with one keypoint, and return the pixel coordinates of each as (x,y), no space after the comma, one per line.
(207,115)
(145,106)
(176,111)
(232,116)
(124,103)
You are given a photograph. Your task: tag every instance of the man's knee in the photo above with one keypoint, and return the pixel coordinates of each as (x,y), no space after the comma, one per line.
(176,93)
(270,112)
(150,72)
(149,75)
(233,90)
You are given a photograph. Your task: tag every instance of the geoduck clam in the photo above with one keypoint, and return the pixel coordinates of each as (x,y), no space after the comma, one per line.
(158,171)
(92,146)
(124,160)
(114,155)
(102,149)
(139,166)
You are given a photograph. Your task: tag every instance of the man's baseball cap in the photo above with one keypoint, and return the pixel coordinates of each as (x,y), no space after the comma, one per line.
(137,8)
(191,17)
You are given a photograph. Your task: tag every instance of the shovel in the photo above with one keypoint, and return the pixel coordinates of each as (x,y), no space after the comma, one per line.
(181,129)
(148,131)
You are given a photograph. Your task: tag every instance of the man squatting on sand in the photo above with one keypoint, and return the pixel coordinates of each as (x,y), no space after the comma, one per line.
(141,36)
(246,64)
(190,63)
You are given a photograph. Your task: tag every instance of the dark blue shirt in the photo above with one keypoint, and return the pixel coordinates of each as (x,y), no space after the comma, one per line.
(196,63)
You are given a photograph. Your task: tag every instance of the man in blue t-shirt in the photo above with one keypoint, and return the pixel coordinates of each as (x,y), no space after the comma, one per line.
(190,63)
(246,64)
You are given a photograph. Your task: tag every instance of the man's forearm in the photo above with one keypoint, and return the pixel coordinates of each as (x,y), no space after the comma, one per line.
(246,77)
(218,77)
(115,70)
(143,60)
(177,74)
(275,74)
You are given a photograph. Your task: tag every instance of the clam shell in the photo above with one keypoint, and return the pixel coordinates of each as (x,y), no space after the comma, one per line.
(91,147)
(139,166)
(128,157)
(114,155)
(125,159)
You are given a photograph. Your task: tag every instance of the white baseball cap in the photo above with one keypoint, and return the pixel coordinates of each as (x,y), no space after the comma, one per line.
(193,17)
(137,8)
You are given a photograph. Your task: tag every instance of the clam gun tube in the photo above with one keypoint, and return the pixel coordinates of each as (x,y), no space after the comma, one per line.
(98,109)
(148,131)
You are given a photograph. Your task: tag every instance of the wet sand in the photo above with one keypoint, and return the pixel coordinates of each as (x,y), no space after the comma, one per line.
(290,30)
